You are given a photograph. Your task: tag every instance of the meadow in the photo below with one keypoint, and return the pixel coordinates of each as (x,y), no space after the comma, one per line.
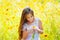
(48,11)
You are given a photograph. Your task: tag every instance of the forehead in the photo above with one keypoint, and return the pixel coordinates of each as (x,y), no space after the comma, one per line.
(28,15)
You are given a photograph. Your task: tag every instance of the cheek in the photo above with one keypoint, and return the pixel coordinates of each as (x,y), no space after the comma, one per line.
(30,19)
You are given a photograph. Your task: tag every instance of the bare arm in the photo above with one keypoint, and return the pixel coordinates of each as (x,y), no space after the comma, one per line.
(25,34)
(40,27)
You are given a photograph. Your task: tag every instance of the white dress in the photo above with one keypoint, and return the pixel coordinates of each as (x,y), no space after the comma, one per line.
(29,28)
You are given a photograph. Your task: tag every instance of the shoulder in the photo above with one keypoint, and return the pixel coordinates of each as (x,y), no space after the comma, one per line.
(37,19)
(24,25)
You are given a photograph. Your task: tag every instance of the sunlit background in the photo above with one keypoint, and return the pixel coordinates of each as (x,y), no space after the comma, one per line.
(48,11)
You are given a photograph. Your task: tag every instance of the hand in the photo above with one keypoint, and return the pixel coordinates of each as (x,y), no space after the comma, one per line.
(37,29)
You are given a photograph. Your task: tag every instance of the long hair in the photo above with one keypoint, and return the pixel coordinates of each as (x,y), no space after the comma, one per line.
(23,20)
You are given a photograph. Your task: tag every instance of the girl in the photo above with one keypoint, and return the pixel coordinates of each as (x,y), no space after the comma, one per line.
(30,27)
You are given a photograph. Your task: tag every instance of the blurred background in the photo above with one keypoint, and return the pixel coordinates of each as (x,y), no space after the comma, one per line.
(48,11)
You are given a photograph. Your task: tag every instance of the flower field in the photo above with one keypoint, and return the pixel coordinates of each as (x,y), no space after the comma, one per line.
(48,11)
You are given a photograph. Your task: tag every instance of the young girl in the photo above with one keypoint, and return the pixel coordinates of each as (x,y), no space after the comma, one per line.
(30,27)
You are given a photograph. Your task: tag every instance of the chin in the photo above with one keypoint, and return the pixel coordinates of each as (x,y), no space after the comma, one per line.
(31,21)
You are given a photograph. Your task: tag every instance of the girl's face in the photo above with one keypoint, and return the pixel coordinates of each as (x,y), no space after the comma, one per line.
(29,17)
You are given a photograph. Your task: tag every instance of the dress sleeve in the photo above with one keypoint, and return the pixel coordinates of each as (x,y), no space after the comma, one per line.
(24,28)
(37,19)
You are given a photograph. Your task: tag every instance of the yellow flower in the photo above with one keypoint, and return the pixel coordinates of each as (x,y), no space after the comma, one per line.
(34,27)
